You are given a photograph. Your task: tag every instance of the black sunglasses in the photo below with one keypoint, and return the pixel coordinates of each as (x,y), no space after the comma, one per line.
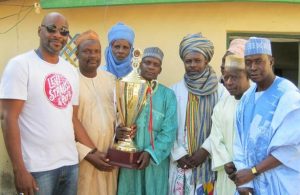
(52,29)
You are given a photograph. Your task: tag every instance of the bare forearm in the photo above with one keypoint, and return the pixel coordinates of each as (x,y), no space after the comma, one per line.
(12,140)
(246,175)
(269,163)
(203,154)
(11,132)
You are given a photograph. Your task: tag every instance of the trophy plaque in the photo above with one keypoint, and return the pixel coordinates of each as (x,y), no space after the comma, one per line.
(131,95)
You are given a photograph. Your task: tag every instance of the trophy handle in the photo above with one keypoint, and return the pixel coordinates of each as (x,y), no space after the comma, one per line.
(136,58)
(119,114)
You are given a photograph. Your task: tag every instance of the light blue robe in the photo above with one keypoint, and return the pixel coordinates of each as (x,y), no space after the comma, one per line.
(153,180)
(267,126)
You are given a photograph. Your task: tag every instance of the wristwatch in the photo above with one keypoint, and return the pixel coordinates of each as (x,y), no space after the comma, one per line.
(254,171)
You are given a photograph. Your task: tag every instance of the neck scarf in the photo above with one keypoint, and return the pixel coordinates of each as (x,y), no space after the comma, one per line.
(116,67)
(205,83)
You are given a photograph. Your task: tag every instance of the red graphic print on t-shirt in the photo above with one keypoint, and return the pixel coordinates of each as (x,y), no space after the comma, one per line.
(58,90)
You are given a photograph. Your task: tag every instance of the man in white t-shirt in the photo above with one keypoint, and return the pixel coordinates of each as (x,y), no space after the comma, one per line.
(39,94)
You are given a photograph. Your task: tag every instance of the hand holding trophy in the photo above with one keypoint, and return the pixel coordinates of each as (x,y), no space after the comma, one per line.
(131,95)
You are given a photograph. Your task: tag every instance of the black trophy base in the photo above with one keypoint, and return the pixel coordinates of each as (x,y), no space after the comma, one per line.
(123,159)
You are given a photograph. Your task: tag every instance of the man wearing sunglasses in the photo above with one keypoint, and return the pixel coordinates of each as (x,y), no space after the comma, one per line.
(39,94)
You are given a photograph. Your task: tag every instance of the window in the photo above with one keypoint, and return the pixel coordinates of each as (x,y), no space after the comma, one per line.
(285,50)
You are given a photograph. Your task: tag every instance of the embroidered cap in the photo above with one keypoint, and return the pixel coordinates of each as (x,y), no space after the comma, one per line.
(153,52)
(256,45)
(235,61)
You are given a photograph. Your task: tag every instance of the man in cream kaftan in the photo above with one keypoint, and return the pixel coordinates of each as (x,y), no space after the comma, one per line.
(97,115)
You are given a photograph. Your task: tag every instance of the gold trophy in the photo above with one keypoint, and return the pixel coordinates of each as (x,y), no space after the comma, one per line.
(131,95)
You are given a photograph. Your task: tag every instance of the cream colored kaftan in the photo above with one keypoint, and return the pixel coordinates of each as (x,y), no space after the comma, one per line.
(221,139)
(97,115)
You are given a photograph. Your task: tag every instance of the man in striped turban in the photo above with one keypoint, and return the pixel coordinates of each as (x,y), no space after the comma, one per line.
(197,95)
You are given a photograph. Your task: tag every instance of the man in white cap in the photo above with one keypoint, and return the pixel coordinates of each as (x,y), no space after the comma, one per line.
(236,47)
(222,133)
(267,145)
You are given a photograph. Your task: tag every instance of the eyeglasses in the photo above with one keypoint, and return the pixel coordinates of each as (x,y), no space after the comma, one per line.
(52,29)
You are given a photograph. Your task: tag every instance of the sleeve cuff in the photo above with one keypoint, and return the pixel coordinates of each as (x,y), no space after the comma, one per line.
(82,150)
(206,145)
(153,156)
(178,153)
(247,185)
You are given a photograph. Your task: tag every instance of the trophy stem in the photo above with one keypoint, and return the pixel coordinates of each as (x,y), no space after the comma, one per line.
(126,146)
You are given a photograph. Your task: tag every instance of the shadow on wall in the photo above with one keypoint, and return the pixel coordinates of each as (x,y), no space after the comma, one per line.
(7,186)
(6,182)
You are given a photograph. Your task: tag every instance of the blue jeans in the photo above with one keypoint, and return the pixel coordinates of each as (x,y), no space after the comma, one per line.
(61,181)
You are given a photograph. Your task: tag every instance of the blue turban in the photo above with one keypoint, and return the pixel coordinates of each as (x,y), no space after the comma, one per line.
(121,31)
(196,43)
(114,66)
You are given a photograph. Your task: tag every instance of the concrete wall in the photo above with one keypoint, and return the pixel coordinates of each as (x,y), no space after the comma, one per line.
(161,25)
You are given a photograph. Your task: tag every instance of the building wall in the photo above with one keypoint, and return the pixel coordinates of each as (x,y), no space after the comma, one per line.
(161,25)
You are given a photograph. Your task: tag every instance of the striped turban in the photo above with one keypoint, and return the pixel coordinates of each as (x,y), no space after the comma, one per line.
(196,43)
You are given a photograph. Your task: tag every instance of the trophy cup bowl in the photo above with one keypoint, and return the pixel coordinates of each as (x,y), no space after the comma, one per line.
(130,95)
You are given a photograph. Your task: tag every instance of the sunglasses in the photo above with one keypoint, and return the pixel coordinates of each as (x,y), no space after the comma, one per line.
(52,29)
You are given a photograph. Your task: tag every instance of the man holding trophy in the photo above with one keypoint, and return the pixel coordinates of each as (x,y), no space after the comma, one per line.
(156,125)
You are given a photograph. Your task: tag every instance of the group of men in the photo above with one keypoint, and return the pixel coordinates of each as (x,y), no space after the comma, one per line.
(59,122)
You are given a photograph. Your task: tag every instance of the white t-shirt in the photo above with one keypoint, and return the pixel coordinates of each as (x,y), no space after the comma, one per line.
(49,91)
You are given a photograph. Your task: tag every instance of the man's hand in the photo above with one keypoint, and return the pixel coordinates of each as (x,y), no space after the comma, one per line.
(143,160)
(243,176)
(230,169)
(184,162)
(198,157)
(98,159)
(133,131)
(245,191)
(123,133)
(25,182)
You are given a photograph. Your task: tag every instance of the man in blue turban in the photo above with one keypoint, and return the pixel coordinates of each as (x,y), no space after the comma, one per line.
(119,52)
